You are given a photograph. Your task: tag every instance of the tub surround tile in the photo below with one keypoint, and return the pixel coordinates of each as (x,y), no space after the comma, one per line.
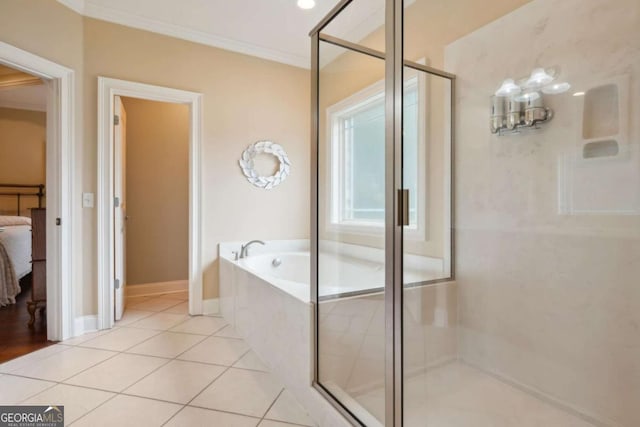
(129,411)
(77,401)
(217,350)
(166,344)
(241,391)
(117,373)
(199,417)
(201,325)
(119,339)
(177,381)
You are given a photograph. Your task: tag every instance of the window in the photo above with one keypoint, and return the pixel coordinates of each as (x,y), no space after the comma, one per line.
(357,159)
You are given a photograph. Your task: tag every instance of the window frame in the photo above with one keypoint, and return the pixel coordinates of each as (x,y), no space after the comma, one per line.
(335,166)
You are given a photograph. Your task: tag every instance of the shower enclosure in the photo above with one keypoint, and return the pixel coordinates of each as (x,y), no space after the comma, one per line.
(475,217)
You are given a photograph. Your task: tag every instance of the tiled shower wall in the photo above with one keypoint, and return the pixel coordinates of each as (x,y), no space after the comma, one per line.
(548,243)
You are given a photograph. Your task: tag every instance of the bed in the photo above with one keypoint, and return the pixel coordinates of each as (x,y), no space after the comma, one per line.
(15,255)
(16,239)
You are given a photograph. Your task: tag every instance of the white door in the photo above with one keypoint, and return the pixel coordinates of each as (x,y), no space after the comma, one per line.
(120,205)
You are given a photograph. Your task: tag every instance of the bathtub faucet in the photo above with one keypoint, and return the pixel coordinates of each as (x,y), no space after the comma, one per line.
(244,250)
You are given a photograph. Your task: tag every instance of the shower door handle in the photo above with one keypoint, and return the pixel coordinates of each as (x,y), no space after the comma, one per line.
(403,207)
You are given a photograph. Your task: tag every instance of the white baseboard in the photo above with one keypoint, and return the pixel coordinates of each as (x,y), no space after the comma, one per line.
(148,289)
(211,306)
(84,324)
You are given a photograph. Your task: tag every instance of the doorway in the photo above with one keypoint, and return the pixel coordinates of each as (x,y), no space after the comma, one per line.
(112,215)
(56,268)
(151,213)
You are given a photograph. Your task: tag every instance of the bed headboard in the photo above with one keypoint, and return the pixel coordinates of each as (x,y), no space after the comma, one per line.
(22,190)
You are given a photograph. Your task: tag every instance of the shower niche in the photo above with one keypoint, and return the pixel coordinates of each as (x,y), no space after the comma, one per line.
(604,116)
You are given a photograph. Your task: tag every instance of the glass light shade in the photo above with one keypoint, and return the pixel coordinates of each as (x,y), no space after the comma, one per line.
(508,88)
(306,4)
(527,96)
(539,77)
(556,88)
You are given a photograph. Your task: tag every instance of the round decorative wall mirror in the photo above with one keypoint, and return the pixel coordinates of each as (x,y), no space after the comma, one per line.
(257,150)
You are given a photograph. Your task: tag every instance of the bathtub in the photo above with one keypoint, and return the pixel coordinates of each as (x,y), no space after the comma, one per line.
(343,269)
(268,303)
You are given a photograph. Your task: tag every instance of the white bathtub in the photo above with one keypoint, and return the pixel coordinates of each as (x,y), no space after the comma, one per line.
(341,271)
(269,305)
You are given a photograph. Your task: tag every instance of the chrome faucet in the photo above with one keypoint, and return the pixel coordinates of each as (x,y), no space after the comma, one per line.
(244,250)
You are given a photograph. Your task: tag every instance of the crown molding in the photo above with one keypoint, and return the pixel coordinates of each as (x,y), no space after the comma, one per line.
(17,105)
(178,31)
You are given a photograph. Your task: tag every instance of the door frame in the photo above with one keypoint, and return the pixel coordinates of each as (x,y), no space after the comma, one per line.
(60,186)
(108,88)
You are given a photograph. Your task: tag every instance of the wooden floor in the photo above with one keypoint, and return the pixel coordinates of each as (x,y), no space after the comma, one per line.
(16,338)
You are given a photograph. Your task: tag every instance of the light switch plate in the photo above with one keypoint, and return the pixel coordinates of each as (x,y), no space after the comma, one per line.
(87,200)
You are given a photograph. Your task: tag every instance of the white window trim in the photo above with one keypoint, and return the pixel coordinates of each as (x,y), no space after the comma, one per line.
(353,103)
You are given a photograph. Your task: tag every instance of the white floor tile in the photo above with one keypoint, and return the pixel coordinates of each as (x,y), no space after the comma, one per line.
(182,308)
(16,389)
(167,344)
(119,339)
(77,401)
(131,315)
(251,361)
(287,409)
(271,423)
(240,391)
(29,359)
(198,417)
(84,337)
(176,381)
(182,295)
(125,411)
(228,332)
(217,350)
(201,325)
(155,304)
(117,373)
(65,364)
(160,321)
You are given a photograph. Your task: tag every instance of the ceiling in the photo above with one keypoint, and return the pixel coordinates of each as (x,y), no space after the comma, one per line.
(21,91)
(271,29)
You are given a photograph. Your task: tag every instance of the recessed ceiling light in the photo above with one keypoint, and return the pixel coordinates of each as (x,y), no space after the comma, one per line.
(578,94)
(306,4)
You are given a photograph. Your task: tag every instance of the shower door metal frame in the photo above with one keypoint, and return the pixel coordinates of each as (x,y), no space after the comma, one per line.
(394,287)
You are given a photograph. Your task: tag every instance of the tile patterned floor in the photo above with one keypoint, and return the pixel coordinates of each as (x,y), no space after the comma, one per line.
(157,367)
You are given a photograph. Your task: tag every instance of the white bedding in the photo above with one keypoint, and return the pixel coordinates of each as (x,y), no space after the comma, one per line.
(15,256)
(17,242)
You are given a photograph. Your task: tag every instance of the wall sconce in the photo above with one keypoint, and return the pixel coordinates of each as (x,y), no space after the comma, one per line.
(517,106)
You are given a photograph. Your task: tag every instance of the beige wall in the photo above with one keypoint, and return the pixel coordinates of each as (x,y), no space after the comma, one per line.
(245,99)
(157,189)
(48,29)
(22,154)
